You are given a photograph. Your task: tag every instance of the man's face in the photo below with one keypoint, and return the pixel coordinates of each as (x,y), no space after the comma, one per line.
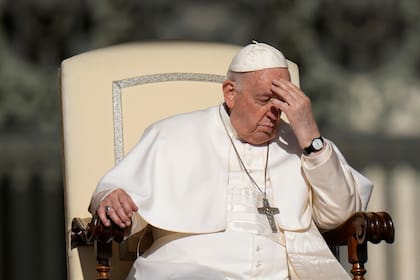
(252,114)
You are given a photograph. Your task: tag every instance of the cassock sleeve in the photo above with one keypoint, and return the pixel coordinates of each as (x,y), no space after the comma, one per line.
(337,189)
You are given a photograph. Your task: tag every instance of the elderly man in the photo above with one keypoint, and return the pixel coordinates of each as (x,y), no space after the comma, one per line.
(235,191)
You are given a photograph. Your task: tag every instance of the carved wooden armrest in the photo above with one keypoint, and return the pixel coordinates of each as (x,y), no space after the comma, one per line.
(96,233)
(360,228)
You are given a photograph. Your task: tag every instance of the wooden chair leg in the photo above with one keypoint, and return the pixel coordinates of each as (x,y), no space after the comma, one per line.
(103,254)
(97,234)
(357,254)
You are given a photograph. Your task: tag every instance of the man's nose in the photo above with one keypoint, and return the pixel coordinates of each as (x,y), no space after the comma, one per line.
(273,113)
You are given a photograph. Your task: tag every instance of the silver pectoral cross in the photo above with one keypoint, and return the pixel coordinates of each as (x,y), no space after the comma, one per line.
(269,212)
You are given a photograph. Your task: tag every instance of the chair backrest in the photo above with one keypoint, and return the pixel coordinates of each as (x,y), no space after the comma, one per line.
(109,96)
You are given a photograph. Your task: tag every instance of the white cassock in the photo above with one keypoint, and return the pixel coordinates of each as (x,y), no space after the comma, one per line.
(188,184)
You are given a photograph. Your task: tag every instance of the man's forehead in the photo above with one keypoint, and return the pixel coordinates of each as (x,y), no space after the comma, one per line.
(273,73)
(259,82)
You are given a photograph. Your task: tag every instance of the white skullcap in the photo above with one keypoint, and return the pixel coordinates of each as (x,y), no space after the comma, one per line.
(257,56)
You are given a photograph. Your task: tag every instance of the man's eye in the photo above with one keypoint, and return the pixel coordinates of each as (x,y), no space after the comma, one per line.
(264,100)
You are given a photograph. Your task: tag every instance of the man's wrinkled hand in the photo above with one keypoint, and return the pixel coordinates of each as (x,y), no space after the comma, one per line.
(298,109)
(118,207)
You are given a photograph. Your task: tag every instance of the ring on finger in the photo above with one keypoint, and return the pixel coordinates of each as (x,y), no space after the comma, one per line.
(107,208)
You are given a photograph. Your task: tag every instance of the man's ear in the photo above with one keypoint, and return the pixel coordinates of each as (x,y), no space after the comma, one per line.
(229,93)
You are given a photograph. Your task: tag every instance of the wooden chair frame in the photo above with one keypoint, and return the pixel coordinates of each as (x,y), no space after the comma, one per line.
(355,233)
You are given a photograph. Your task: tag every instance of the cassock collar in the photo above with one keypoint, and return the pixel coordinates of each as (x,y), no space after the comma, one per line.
(226,119)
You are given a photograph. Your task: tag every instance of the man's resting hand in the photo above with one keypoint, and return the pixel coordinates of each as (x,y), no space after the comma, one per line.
(117,206)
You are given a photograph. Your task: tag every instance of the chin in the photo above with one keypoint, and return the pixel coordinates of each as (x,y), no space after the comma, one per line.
(260,141)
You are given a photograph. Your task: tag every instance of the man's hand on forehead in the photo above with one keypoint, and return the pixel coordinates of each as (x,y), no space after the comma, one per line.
(298,109)
(283,90)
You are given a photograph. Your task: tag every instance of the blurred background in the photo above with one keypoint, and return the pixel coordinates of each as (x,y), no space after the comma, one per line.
(359,62)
